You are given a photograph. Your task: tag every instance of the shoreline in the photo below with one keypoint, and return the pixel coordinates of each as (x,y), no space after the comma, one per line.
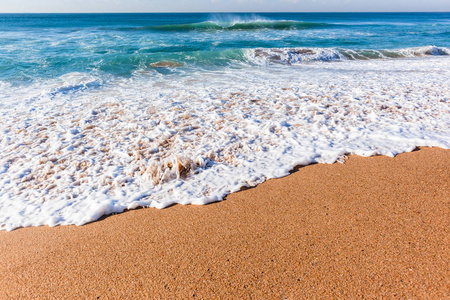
(75,159)
(372,227)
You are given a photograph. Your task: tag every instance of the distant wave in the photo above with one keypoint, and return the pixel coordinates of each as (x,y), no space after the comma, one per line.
(236,25)
(301,55)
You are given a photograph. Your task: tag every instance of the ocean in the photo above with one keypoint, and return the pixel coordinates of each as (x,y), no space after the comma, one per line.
(106,112)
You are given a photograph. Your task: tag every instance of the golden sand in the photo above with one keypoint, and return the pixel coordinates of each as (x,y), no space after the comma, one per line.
(373,227)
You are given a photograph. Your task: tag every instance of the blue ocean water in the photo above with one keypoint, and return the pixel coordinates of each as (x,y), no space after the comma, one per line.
(49,45)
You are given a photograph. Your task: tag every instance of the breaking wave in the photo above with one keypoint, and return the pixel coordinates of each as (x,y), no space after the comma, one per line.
(236,25)
(292,56)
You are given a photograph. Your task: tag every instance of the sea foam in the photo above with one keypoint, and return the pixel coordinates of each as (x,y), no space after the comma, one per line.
(292,56)
(81,146)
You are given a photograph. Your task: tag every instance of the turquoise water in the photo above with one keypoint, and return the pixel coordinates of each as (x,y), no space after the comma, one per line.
(37,46)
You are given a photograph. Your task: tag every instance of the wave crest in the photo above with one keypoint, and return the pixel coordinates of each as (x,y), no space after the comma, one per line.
(236,25)
(292,56)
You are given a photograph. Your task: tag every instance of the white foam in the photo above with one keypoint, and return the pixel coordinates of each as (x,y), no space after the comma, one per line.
(295,56)
(292,56)
(80,146)
(422,51)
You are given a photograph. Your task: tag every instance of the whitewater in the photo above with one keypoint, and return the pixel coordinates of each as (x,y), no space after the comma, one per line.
(192,127)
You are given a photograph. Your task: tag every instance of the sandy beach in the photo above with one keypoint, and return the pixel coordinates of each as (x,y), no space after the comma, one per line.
(375,227)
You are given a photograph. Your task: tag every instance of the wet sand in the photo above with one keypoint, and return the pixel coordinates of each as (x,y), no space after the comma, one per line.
(375,227)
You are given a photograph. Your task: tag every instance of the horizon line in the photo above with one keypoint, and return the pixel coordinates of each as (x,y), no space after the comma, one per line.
(221,12)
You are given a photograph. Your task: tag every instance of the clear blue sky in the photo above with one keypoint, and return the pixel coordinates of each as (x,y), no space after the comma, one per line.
(221,5)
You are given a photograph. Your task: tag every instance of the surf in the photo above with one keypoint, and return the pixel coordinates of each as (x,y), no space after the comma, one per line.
(235,25)
(292,56)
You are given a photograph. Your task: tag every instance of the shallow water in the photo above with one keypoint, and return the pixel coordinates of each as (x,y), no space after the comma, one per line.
(101,113)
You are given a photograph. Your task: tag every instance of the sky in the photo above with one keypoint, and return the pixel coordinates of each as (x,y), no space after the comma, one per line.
(55,6)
